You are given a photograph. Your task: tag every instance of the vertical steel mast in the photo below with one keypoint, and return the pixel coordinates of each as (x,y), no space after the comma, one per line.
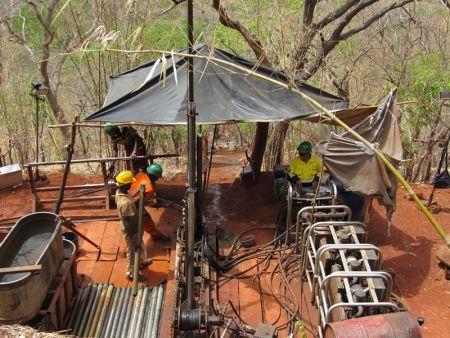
(192,215)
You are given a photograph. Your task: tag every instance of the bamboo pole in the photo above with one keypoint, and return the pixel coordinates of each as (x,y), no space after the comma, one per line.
(292,86)
(137,248)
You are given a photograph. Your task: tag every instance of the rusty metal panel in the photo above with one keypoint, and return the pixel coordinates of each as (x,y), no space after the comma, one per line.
(10,176)
(395,325)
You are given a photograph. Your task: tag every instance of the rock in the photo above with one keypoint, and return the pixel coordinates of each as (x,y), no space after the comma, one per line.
(434,209)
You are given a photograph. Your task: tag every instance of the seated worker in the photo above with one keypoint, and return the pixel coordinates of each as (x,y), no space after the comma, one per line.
(133,143)
(148,178)
(305,168)
(128,215)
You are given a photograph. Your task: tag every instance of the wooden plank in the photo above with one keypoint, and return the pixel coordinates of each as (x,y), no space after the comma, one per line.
(74,199)
(94,231)
(72,187)
(111,240)
(84,269)
(169,300)
(17,269)
(118,272)
(101,273)
(156,273)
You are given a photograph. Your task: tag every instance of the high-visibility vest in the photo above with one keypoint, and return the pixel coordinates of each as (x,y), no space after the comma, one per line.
(141,178)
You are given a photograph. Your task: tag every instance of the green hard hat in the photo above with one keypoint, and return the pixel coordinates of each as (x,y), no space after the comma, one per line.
(111,129)
(155,170)
(304,148)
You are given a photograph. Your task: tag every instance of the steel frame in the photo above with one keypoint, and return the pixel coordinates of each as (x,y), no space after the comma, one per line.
(320,239)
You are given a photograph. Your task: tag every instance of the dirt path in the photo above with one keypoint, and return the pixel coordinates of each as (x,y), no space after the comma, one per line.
(410,253)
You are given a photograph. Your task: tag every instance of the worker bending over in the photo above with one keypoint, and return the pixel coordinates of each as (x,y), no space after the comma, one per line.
(133,143)
(148,178)
(305,168)
(129,219)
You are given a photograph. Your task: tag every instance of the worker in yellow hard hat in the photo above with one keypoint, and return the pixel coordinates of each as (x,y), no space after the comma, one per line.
(306,167)
(148,179)
(129,219)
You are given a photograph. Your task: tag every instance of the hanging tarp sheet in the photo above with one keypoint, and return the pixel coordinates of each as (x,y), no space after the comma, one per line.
(351,116)
(356,166)
(155,94)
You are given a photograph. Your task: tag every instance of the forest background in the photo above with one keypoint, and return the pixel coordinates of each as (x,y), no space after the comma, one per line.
(356,49)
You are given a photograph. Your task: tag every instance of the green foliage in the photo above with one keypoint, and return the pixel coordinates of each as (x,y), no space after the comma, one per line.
(225,38)
(25,21)
(348,48)
(427,76)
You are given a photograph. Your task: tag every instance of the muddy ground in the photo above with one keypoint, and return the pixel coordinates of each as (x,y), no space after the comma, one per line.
(409,252)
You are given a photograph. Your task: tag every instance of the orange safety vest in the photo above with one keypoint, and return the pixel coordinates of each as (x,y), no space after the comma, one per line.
(141,178)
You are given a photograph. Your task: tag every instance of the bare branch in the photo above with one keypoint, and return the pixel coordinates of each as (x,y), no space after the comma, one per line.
(349,16)
(41,19)
(374,18)
(336,14)
(308,13)
(254,43)
(310,30)
(337,35)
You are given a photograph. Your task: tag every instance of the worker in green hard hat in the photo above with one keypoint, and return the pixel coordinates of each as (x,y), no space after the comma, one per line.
(148,179)
(306,167)
(133,143)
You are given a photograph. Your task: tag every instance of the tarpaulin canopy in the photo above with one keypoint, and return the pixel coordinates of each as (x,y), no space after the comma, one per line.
(357,167)
(351,116)
(155,93)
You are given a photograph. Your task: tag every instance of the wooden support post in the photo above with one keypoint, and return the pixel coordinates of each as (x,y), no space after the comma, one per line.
(105,181)
(35,198)
(70,151)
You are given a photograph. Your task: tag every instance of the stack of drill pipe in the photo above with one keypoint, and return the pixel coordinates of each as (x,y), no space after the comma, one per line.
(102,310)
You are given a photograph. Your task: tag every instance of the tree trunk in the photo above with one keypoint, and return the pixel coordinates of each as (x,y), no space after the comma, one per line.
(276,143)
(259,146)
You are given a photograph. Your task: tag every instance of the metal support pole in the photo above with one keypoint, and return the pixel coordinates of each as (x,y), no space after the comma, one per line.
(190,50)
(70,151)
(192,215)
(104,159)
(36,98)
(199,194)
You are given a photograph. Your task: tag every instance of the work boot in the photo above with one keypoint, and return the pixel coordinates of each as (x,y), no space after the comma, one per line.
(145,262)
(160,237)
(141,278)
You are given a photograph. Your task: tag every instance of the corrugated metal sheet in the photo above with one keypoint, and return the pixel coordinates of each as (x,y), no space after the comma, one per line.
(102,310)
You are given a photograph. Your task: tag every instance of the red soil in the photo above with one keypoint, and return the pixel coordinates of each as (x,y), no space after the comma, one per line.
(409,252)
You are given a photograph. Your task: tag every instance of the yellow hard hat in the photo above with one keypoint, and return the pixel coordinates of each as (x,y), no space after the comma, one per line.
(125,177)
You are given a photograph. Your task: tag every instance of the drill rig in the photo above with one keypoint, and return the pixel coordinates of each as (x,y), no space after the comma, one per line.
(328,250)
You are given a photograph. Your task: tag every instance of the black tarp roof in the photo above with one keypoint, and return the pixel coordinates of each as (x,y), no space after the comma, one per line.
(222,94)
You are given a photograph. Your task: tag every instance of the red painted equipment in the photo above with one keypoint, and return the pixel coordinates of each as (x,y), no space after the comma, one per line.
(392,325)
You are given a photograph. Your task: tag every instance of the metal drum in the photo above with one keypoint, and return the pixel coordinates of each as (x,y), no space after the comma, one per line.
(34,240)
(392,325)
